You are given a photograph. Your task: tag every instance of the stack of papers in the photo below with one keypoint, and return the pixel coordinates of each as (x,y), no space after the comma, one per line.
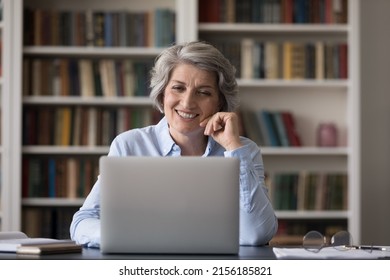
(332,253)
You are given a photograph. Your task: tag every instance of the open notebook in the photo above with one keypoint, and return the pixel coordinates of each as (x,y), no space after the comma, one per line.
(169,205)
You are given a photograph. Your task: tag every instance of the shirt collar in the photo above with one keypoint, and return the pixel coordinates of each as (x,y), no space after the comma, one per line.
(167,144)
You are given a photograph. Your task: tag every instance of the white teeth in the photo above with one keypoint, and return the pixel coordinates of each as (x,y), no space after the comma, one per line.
(186,115)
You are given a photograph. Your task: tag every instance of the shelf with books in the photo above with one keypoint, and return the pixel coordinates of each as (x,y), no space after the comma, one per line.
(49,220)
(309,191)
(285,57)
(274,12)
(100,76)
(111,90)
(292,231)
(287,61)
(74,128)
(53,179)
(100,25)
(105,45)
(309,108)
(89,126)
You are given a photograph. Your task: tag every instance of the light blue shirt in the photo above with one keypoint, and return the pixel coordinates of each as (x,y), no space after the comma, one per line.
(258,223)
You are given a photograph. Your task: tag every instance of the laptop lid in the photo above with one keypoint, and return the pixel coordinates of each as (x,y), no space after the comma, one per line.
(169,205)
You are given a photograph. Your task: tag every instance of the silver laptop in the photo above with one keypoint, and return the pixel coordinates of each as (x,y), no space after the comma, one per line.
(172,205)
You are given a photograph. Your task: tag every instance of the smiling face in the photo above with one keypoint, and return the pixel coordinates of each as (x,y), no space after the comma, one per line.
(190,96)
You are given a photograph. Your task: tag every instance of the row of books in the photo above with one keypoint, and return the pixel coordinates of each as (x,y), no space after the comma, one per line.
(287,60)
(274,11)
(119,28)
(309,191)
(85,77)
(291,232)
(58,177)
(271,128)
(47,222)
(82,126)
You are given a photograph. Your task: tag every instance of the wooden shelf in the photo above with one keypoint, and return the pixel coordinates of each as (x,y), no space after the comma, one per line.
(279,83)
(65,150)
(53,202)
(79,100)
(274,28)
(92,51)
(327,214)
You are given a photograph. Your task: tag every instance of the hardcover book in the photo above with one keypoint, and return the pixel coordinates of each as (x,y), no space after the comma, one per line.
(18,242)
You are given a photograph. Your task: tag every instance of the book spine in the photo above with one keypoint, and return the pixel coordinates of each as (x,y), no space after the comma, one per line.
(271,128)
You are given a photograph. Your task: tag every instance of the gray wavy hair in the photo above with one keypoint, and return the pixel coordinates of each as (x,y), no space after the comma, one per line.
(203,56)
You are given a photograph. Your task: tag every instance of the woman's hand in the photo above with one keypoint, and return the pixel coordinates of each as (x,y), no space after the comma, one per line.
(223,127)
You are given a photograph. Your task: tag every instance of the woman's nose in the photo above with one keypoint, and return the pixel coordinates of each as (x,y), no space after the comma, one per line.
(188,99)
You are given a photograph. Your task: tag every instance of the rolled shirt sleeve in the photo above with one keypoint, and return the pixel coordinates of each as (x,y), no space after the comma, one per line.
(258,223)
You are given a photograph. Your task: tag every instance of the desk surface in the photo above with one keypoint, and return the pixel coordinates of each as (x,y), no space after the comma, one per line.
(245,253)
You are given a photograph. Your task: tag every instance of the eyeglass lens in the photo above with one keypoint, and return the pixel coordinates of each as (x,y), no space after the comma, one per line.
(341,238)
(313,241)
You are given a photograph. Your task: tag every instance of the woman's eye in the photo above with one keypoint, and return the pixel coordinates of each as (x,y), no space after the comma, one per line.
(177,88)
(204,93)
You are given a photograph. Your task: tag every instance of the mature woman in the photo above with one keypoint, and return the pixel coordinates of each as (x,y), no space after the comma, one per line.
(194,86)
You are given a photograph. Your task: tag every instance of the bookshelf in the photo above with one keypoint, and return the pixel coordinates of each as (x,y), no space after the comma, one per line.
(311,100)
(329,97)
(47,109)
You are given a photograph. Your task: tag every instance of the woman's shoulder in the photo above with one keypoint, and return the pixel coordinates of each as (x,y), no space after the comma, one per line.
(136,141)
(150,131)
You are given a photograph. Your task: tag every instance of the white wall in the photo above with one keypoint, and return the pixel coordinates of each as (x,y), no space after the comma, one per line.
(375,109)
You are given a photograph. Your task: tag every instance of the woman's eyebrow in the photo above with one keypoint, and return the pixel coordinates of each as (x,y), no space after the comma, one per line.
(200,86)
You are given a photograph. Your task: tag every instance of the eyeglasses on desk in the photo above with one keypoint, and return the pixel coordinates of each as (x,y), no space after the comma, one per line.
(314,241)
